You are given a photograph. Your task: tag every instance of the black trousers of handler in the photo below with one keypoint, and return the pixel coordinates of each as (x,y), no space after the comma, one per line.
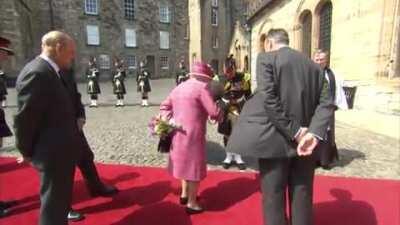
(287,181)
(87,167)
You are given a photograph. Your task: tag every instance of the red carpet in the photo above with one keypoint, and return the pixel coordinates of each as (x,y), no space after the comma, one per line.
(149,197)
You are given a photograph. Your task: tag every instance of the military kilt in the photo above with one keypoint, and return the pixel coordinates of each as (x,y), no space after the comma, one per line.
(119,87)
(146,85)
(93,87)
(4,129)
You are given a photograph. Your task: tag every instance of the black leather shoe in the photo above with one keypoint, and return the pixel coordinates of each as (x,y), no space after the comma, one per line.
(241,166)
(75,216)
(183,200)
(3,213)
(7,204)
(105,191)
(191,211)
(226,165)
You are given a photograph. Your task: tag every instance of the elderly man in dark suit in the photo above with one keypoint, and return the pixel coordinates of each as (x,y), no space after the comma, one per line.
(45,125)
(86,163)
(281,125)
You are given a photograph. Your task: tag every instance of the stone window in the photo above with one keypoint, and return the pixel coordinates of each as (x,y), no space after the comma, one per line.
(164,62)
(214,3)
(164,13)
(129,9)
(214,16)
(92,33)
(104,62)
(91,7)
(215,41)
(131,62)
(130,37)
(325,27)
(164,40)
(306,24)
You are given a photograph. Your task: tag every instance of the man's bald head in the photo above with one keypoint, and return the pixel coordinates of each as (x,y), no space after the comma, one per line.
(60,47)
(53,38)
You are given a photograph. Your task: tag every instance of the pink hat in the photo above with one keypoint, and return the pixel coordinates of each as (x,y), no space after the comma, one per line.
(201,69)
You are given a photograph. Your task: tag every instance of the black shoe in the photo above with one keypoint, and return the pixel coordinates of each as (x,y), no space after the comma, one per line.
(241,166)
(75,216)
(105,191)
(7,204)
(4,213)
(226,165)
(183,200)
(191,211)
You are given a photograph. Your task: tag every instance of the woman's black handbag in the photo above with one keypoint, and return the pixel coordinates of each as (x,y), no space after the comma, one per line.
(164,144)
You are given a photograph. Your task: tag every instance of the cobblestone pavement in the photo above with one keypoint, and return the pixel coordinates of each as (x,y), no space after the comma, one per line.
(120,135)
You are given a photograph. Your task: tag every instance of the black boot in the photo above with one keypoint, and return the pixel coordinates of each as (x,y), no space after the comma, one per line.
(93,182)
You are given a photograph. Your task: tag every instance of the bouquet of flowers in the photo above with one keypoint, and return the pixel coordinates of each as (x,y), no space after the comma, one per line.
(164,129)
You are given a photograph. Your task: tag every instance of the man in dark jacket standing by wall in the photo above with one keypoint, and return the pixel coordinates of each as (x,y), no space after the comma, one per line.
(281,125)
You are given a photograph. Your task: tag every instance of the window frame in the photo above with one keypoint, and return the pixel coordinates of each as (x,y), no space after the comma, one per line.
(96,3)
(166,66)
(88,40)
(130,66)
(167,39)
(166,13)
(102,64)
(325,34)
(134,41)
(129,9)
(214,12)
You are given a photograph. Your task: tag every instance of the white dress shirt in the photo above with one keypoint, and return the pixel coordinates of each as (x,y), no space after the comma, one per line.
(52,64)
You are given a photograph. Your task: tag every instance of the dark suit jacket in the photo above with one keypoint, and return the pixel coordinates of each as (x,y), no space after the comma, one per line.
(76,97)
(45,123)
(291,93)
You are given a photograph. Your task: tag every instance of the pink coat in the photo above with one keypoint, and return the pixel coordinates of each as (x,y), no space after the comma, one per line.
(189,104)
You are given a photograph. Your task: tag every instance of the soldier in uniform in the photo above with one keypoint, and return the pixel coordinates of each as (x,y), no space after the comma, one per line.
(4,129)
(118,82)
(236,91)
(143,83)
(3,88)
(182,74)
(93,87)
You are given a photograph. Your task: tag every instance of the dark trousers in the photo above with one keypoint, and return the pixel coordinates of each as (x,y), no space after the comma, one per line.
(327,152)
(55,193)
(120,96)
(287,181)
(87,167)
(93,96)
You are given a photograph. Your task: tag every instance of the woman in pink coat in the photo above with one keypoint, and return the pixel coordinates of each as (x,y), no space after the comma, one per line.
(189,105)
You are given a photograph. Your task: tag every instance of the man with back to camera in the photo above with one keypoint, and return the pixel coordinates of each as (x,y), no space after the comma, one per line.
(281,124)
